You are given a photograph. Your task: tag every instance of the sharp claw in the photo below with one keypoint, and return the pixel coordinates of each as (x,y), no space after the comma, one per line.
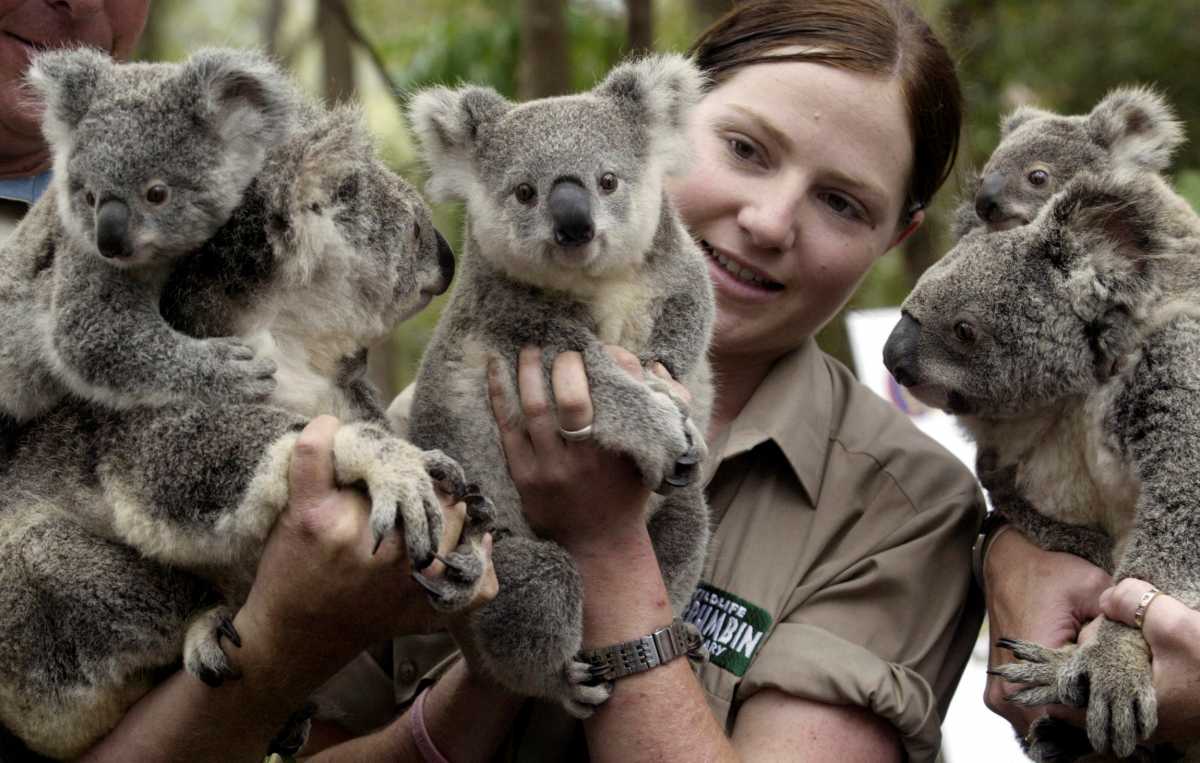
(227,630)
(430,588)
(691,458)
(1006,643)
(676,480)
(378,543)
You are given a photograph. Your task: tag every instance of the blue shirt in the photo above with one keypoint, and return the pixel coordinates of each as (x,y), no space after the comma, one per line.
(26,189)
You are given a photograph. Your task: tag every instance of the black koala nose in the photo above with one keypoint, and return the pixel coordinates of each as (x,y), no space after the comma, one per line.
(571,211)
(986,204)
(112,228)
(445,257)
(900,351)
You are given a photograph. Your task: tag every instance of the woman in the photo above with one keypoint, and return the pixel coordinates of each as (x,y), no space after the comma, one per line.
(842,535)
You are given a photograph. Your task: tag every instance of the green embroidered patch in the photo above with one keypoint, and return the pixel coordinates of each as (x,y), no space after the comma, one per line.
(732,627)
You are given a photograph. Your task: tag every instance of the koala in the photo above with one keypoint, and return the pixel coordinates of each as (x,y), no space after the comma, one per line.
(149,162)
(129,535)
(1039,153)
(1068,349)
(570,244)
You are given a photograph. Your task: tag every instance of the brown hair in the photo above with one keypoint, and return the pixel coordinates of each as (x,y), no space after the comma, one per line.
(881,37)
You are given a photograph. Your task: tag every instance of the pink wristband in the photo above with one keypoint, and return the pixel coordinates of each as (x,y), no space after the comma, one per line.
(416,722)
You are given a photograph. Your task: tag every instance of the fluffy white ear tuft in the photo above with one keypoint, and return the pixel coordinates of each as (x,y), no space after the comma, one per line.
(67,81)
(1138,127)
(1020,116)
(662,90)
(447,123)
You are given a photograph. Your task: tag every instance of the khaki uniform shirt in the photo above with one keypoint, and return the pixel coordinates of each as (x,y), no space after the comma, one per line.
(839,570)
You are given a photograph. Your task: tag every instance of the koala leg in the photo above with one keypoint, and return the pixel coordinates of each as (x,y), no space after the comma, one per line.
(1110,676)
(529,634)
(679,530)
(645,422)
(86,625)
(203,655)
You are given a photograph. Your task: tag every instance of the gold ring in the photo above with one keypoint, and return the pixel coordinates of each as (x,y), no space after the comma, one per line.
(1139,614)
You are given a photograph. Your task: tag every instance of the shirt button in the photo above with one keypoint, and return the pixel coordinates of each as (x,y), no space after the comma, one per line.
(407,671)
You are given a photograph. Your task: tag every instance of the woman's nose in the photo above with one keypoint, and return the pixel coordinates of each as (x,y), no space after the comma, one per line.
(770,221)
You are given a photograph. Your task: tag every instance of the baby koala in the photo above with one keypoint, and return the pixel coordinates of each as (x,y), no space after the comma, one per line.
(149,161)
(570,244)
(1040,151)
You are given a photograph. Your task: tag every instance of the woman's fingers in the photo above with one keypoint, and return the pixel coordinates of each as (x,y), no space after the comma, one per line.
(1164,618)
(569,381)
(540,420)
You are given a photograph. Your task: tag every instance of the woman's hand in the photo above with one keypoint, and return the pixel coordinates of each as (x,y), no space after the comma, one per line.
(573,492)
(320,593)
(1040,596)
(1173,631)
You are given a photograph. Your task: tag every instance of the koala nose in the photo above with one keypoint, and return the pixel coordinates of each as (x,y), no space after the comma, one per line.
(571,211)
(445,258)
(112,227)
(986,204)
(900,351)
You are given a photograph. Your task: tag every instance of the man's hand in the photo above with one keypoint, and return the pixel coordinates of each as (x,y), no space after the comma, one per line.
(1040,596)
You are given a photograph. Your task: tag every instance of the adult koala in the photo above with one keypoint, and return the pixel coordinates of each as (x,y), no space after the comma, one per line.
(1068,348)
(570,244)
(129,536)
(1040,152)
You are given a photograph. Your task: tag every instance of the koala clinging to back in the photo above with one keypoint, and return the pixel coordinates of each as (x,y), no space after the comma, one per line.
(1070,350)
(1040,151)
(570,244)
(149,161)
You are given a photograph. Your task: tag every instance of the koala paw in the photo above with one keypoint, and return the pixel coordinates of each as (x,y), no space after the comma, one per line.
(203,655)
(687,465)
(1110,677)
(581,695)
(1050,740)
(233,374)
(466,565)
(398,483)
(666,453)
(291,738)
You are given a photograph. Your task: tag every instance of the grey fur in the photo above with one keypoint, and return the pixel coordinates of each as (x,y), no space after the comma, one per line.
(641,283)
(1068,348)
(1130,128)
(127,535)
(197,133)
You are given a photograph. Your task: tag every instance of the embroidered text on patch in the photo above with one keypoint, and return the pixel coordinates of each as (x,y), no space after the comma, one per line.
(732,627)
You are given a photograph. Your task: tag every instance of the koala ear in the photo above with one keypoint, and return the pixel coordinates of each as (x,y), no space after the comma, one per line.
(1120,213)
(1019,117)
(447,124)
(67,80)
(246,98)
(1138,127)
(661,90)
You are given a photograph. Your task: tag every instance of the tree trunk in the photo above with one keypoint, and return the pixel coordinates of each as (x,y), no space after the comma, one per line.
(545,68)
(706,12)
(641,26)
(335,50)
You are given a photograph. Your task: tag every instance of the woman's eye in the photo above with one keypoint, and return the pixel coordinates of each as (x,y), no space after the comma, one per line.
(842,205)
(743,149)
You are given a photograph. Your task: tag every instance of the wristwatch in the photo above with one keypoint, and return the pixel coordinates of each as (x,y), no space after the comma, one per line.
(660,647)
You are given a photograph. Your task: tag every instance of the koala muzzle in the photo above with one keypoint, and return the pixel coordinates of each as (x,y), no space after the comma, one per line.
(900,351)
(112,228)
(445,258)
(571,211)
(986,204)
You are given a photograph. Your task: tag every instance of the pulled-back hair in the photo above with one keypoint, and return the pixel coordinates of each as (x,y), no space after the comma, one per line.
(877,37)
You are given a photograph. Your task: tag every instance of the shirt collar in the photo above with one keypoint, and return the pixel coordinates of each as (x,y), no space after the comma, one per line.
(792,408)
(25,189)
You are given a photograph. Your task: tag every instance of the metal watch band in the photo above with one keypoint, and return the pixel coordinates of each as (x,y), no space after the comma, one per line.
(988,532)
(641,654)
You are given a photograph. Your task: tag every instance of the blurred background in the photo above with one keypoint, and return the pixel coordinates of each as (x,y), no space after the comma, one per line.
(1061,55)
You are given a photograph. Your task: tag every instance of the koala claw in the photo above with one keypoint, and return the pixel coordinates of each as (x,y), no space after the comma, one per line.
(203,656)
(446,473)
(583,694)
(481,512)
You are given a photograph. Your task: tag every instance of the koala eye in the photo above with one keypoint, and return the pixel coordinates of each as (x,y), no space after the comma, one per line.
(157,194)
(608,182)
(1039,177)
(964,332)
(90,199)
(525,193)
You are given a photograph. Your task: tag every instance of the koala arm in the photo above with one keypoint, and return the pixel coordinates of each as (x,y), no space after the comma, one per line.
(681,333)
(110,343)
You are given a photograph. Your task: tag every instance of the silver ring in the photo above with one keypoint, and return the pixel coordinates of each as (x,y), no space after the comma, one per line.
(1139,614)
(576,435)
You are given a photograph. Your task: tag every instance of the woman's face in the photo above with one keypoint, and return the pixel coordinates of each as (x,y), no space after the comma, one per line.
(798,182)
